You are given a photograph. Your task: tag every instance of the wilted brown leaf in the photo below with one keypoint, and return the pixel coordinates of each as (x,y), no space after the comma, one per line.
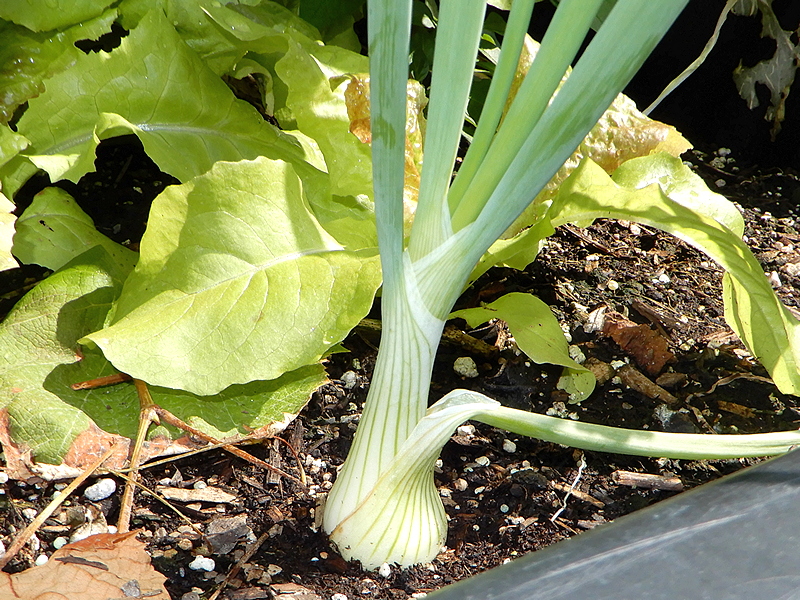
(98,568)
(85,449)
(647,347)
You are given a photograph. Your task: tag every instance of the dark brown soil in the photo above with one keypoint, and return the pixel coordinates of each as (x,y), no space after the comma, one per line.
(501,492)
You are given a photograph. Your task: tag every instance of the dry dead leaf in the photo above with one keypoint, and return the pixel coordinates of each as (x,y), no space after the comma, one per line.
(90,444)
(647,347)
(101,567)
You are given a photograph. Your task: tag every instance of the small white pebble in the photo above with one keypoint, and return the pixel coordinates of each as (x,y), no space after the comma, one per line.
(384,570)
(29,513)
(185,544)
(483,461)
(349,380)
(466,430)
(480,489)
(717,163)
(40,560)
(59,542)
(100,490)
(112,529)
(3,477)
(576,354)
(504,508)
(724,151)
(720,183)
(509,446)
(338,597)
(460,484)
(792,269)
(202,563)
(444,492)
(465,367)
(612,285)
(775,280)
(199,485)
(663,278)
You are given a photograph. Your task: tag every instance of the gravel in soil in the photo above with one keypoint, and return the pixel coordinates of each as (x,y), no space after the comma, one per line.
(504,495)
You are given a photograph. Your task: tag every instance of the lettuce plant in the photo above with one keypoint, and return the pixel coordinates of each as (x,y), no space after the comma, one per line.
(267,254)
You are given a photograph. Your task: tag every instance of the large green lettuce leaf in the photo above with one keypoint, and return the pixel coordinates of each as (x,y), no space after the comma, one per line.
(752,309)
(308,82)
(222,33)
(153,85)
(28,58)
(40,358)
(237,281)
(43,15)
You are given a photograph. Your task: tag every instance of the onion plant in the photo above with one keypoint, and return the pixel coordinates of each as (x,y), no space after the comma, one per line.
(384,506)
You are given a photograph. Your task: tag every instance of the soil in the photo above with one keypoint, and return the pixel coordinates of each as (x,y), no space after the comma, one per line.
(504,495)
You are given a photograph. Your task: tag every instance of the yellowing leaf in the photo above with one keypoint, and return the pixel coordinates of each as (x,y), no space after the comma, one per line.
(357,98)
(622,133)
(6,234)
